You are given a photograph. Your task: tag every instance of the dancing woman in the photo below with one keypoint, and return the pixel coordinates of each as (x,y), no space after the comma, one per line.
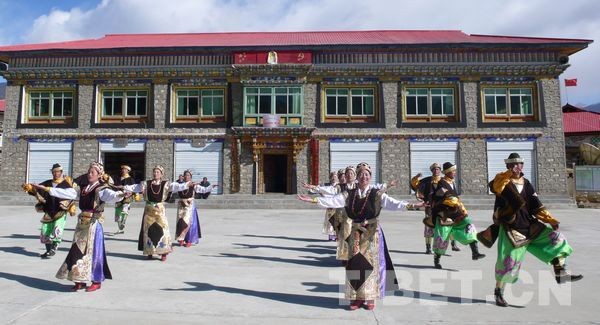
(369,271)
(187,229)
(86,260)
(154,236)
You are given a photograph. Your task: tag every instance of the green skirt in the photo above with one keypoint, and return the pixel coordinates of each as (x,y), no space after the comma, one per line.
(549,244)
(464,232)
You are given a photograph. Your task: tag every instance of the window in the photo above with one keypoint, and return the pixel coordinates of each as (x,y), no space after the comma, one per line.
(195,104)
(286,102)
(124,105)
(349,104)
(508,104)
(430,104)
(50,106)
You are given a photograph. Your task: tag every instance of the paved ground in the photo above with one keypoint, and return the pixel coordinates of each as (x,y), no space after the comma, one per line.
(274,266)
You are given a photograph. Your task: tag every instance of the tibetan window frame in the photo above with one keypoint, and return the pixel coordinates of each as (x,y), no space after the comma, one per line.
(199,117)
(345,92)
(293,98)
(125,96)
(51,95)
(428,95)
(509,95)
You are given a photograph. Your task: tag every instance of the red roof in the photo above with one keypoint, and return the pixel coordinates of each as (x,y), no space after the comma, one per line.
(373,37)
(581,122)
(2,105)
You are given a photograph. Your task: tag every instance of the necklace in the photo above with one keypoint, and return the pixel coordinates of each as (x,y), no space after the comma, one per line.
(362,209)
(88,189)
(152,188)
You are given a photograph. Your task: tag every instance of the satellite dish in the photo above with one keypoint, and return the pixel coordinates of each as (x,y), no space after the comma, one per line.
(590,154)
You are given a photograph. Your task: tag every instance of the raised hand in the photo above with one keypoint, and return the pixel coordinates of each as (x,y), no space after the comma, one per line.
(305,198)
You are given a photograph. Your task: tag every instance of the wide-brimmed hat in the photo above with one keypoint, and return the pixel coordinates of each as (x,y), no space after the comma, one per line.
(448,167)
(56,167)
(514,158)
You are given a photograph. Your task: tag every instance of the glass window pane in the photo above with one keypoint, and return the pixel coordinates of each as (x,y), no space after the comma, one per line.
(252,90)
(117,106)
(117,93)
(108,107)
(280,90)
(422,105)
(515,105)
(490,105)
(193,93)
(131,106)
(68,107)
(131,93)
(264,105)
(501,105)
(448,105)
(436,105)
(368,106)
(181,106)
(217,108)
(192,106)
(251,104)
(281,105)
(206,106)
(436,91)
(296,103)
(57,109)
(526,105)
(342,105)
(330,91)
(411,105)
(265,90)
(356,105)
(331,105)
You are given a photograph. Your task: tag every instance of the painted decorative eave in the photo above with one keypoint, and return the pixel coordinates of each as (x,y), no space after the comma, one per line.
(251,131)
(386,72)
(302,132)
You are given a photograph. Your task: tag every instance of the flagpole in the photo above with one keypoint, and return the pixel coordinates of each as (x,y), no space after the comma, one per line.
(567,93)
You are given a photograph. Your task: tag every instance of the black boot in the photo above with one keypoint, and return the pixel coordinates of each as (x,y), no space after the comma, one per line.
(475,251)
(428,249)
(563,276)
(49,252)
(454,247)
(499,298)
(436,261)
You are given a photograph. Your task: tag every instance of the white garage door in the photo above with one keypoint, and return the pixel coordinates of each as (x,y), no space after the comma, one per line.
(344,154)
(425,153)
(497,151)
(204,161)
(41,157)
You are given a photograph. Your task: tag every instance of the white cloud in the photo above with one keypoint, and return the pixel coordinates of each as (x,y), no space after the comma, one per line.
(577,19)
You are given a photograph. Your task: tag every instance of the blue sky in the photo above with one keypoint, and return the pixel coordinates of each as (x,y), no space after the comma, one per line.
(36,21)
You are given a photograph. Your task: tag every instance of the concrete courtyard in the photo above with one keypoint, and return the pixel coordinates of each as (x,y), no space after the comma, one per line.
(275,266)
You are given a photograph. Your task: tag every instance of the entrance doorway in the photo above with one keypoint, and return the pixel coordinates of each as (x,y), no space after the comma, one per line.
(135,160)
(275,173)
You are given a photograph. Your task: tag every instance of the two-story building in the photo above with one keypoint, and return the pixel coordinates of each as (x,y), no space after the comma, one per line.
(264,112)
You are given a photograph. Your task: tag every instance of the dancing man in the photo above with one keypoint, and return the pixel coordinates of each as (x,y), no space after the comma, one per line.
(451,218)
(519,218)
(55,209)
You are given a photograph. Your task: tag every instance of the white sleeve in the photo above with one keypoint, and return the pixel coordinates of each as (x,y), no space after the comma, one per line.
(379,186)
(135,188)
(178,187)
(202,189)
(327,190)
(389,203)
(335,201)
(109,196)
(63,193)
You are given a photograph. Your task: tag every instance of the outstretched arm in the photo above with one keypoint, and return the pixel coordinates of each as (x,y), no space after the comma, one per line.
(61,193)
(335,201)
(389,203)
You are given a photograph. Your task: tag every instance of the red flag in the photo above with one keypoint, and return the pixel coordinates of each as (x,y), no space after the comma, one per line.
(570,82)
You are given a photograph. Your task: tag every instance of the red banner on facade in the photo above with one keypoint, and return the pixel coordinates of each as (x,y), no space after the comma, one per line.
(570,82)
(273,57)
